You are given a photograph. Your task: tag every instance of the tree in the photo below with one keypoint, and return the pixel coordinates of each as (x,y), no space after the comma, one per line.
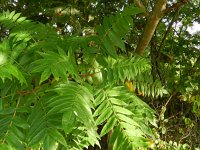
(106,74)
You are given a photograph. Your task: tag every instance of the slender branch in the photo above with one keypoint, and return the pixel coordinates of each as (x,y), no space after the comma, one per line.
(164,108)
(168,30)
(140,5)
(35,90)
(190,130)
(175,6)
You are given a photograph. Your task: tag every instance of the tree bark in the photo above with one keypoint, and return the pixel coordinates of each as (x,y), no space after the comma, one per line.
(152,22)
(153,19)
(140,5)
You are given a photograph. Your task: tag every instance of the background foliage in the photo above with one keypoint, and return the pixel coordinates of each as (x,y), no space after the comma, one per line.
(71,77)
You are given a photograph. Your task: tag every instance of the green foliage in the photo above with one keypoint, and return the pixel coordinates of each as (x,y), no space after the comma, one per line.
(114,30)
(63,91)
(126,68)
(41,107)
(48,65)
(120,110)
(170,145)
(147,87)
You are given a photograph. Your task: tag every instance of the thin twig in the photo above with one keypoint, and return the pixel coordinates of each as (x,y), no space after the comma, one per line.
(175,6)
(168,30)
(185,136)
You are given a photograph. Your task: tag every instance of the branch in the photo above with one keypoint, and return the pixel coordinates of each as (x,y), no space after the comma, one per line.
(140,5)
(152,22)
(175,6)
(168,30)
(35,90)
